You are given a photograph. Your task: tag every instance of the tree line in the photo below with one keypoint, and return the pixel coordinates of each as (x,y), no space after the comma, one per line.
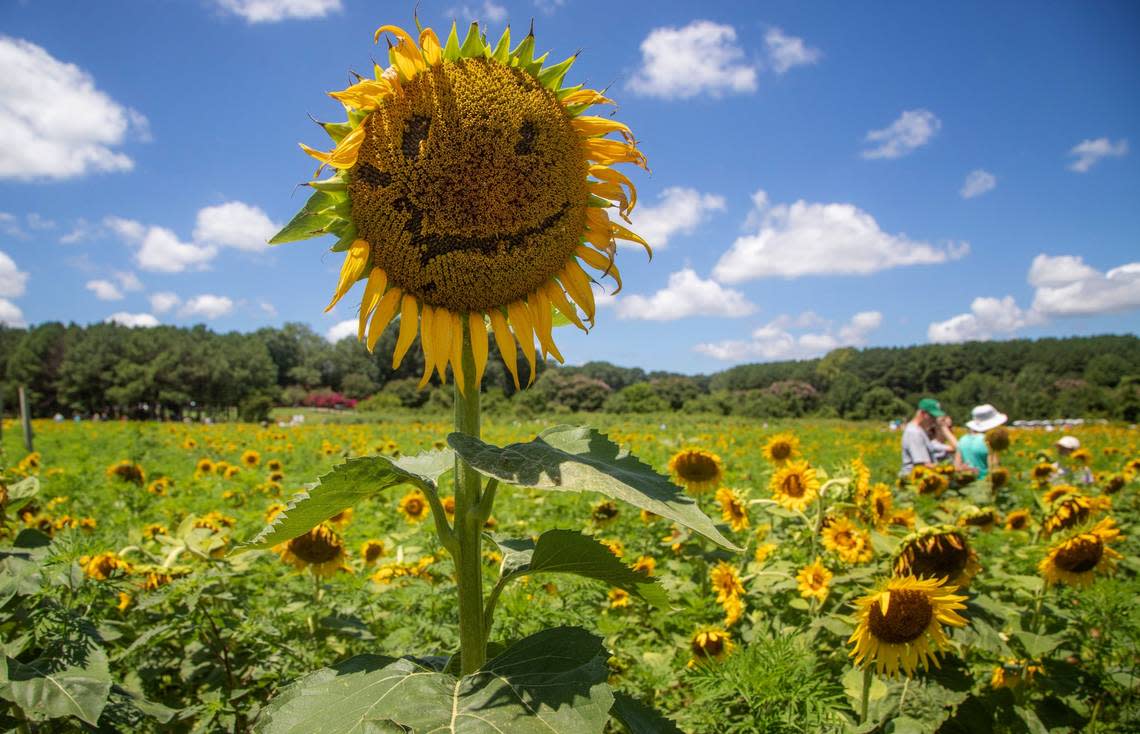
(171,372)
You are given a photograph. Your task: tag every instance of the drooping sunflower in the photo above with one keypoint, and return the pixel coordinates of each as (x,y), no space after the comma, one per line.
(1076,560)
(929,482)
(1018,520)
(710,644)
(814,581)
(645,564)
(795,486)
(127,471)
(470,187)
(1114,483)
(1072,510)
(733,509)
(1081,456)
(862,476)
(697,469)
(782,447)
(979,517)
(321,550)
(900,624)
(1014,673)
(999,477)
(850,542)
(1057,492)
(1042,471)
(939,552)
(104,565)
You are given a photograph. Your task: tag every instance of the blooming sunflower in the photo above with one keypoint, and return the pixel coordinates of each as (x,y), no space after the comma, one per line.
(1057,492)
(1078,559)
(1014,673)
(414,506)
(848,540)
(697,469)
(733,510)
(781,448)
(1082,456)
(203,467)
(1041,472)
(619,598)
(1069,511)
(795,485)
(999,477)
(104,565)
(1018,520)
(814,581)
(603,513)
(250,458)
(710,644)
(371,551)
(645,564)
(321,550)
(725,581)
(882,505)
(939,552)
(900,624)
(862,475)
(469,187)
(273,465)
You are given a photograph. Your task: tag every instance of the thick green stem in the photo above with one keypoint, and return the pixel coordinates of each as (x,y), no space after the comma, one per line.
(468,524)
(865,699)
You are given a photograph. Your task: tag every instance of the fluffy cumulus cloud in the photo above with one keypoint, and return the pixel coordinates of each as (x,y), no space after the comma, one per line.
(13,281)
(234,224)
(912,130)
(488,11)
(988,317)
(1088,153)
(785,52)
(342,330)
(10,314)
(685,295)
(678,210)
(163,301)
(123,318)
(105,290)
(273,11)
(206,306)
(54,122)
(805,238)
(795,337)
(1066,286)
(977,183)
(702,57)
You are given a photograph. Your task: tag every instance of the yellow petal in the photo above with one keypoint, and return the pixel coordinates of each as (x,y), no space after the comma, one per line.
(364,95)
(884,602)
(577,284)
(385,311)
(506,344)
(355,260)
(558,300)
(377,282)
(344,154)
(405,56)
(606,151)
(409,325)
(429,42)
(428,342)
(610,176)
(441,336)
(478,331)
(600,262)
(457,351)
(543,324)
(523,327)
(586,97)
(590,125)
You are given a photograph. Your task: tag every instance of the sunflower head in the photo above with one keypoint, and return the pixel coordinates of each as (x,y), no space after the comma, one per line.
(733,509)
(697,469)
(999,478)
(900,624)
(814,581)
(930,482)
(939,552)
(1014,674)
(204,466)
(1042,471)
(1018,520)
(846,539)
(1082,456)
(725,581)
(1076,560)
(127,471)
(321,550)
(103,566)
(710,644)
(1068,511)
(998,439)
(979,517)
(371,551)
(782,447)
(882,505)
(795,486)
(604,513)
(470,187)
(1114,483)
(414,506)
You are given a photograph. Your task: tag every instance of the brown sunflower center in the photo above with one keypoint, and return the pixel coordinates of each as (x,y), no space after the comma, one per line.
(708,645)
(470,185)
(908,614)
(414,507)
(938,558)
(319,545)
(1018,522)
(1080,554)
(697,468)
(781,450)
(794,485)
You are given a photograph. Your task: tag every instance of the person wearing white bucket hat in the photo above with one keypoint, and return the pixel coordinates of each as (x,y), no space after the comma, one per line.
(972,449)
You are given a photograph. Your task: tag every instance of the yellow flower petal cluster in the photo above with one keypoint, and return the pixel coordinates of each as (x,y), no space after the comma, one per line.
(845,538)
(733,509)
(795,486)
(1077,560)
(814,581)
(781,448)
(321,550)
(697,469)
(940,552)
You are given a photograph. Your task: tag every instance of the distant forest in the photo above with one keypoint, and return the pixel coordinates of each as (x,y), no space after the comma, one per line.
(171,372)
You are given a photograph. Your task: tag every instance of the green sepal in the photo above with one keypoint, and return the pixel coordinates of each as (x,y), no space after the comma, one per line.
(473,46)
(336,130)
(598,201)
(534,67)
(451,48)
(564,92)
(316,218)
(329,184)
(347,237)
(502,52)
(524,52)
(551,77)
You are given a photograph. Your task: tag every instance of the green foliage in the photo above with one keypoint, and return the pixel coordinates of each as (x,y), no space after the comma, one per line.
(636,398)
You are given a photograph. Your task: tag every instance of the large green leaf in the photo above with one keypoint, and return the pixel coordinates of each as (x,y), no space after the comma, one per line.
(639,718)
(320,212)
(45,690)
(346,485)
(579,459)
(21,493)
(568,551)
(550,682)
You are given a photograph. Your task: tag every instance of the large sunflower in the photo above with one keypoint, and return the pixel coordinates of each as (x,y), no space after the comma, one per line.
(1077,560)
(940,552)
(469,188)
(697,469)
(321,550)
(795,486)
(900,624)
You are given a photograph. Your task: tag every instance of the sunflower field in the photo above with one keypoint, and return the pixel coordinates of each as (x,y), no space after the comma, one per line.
(858,602)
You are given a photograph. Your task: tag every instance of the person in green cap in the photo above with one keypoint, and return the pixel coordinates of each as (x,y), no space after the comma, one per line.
(917,448)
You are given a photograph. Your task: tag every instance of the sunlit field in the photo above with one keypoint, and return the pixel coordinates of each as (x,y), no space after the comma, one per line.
(128,543)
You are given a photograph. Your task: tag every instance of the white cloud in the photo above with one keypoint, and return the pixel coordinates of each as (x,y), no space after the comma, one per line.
(207,305)
(786,51)
(13,281)
(10,314)
(1090,152)
(105,290)
(143,320)
(988,317)
(128,281)
(268,308)
(273,11)
(977,183)
(678,211)
(702,57)
(913,129)
(37,221)
(805,238)
(80,232)
(776,340)
(686,295)
(488,11)
(1066,286)
(128,229)
(234,224)
(342,330)
(54,122)
(164,301)
(161,251)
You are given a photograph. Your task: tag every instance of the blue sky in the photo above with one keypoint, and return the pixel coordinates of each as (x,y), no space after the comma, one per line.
(822,174)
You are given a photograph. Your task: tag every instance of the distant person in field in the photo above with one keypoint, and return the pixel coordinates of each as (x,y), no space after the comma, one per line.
(972,449)
(1065,446)
(942,439)
(917,447)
